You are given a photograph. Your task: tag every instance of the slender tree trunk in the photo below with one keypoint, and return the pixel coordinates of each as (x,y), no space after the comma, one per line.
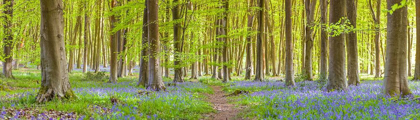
(259,75)
(155,77)
(289,45)
(324,39)
(177,42)
(8,39)
(310,10)
(114,49)
(352,56)
(143,76)
(417,64)
(395,81)
(337,74)
(225,43)
(55,79)
(86,40)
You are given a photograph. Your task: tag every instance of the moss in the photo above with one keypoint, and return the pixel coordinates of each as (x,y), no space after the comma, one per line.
(4,88)
(70,95)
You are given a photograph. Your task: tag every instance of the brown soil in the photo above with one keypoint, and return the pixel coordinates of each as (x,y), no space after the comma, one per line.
(225,110)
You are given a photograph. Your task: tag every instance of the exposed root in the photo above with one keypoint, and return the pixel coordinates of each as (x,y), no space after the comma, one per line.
(46,94)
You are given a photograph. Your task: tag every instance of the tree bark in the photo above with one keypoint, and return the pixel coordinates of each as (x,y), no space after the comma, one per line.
(324,39)
(8,39)
(337,74)
(310,10)
(55,80)
(225,42)
(177,42)
(417,64)
(248,64)
(259,75)
(143,76)
(114,49)
(352,53)
(395,81)
(155,74)
(289,45)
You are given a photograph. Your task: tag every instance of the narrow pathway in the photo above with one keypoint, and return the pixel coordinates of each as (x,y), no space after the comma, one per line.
(225,110)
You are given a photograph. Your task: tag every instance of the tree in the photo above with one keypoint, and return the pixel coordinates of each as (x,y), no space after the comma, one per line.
(143,76)
(395,81)
(337,76)
(55,79)
(259,75)
(324,39)
(8,39)
(352,56)
(377,20)
(289,45)
(177,41)
(417,64)
(225,56)
(248,66)
(155,77)
(114,49)
(310,10)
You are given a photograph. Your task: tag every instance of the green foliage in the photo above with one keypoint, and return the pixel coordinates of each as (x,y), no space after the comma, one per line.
(99,76)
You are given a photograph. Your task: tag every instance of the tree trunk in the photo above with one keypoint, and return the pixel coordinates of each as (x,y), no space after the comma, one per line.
(143,76)
(224,32)
(352,58)
(114,49)
(248,65)
(289,45)
(155,77)
(324,39)
(417,64)
(86,40)
(259,75)
(310,10)
(8,39)
(177,42)
(395,81)
(337,74)
(55,80)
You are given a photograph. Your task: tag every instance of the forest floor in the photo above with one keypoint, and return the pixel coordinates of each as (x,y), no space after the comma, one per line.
(203,98)
(225,110)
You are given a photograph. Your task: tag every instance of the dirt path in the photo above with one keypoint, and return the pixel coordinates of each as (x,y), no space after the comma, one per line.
(225,110)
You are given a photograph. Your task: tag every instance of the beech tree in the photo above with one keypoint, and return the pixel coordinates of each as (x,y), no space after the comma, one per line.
(8,39)
(324,39)
(114,48)
(352,53)
(337,75)
(289,45)
(177,41)
(155,74)
(143,72)
(259,75)
(417,64)
(55,79)
(395,81)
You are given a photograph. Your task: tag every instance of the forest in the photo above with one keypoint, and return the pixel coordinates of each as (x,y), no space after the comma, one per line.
(209,59)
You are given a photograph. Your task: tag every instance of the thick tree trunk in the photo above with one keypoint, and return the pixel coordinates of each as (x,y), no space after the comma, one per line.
(155,74)
(395,81)
(324,39)
(114,49)
(417,64)
(8,39)
(352,56)
(143,76)
(55,80)
(177,42)
(259,75)
(337,74)
(289,45)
